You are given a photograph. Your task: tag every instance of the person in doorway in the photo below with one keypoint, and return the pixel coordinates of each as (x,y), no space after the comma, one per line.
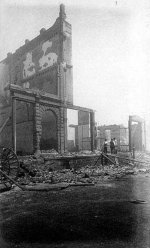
(115,145)
(112,146)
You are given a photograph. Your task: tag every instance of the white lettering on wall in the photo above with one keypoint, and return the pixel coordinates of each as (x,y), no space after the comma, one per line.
(48,58)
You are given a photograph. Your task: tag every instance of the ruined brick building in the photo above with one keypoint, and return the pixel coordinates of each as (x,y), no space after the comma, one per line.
(36,90)
(133,136)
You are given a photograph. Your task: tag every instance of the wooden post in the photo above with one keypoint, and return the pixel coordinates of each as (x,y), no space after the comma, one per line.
(92,124)
(129,126)
(133,152)
(144,136)
(14,123)
(65,130)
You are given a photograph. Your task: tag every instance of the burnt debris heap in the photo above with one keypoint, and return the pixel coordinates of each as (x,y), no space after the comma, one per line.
(36,89)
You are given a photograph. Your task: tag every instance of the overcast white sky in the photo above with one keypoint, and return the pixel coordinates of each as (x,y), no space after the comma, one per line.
(111,50)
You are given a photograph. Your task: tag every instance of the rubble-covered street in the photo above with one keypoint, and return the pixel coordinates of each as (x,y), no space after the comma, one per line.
(74,132)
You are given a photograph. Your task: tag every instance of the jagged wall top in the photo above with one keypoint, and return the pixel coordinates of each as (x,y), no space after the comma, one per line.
(62,13)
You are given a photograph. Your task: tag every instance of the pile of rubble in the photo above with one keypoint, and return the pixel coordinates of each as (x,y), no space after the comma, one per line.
(36,171)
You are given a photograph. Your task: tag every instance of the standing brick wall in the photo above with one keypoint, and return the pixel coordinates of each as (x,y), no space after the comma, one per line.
(40,73)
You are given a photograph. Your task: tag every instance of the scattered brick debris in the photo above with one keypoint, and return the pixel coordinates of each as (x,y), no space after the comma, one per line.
(41,170)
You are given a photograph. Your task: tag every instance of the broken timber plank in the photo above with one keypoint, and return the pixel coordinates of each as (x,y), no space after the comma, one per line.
(12,180)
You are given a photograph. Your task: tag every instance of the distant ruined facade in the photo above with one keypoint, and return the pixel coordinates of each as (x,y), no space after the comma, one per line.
(36,89)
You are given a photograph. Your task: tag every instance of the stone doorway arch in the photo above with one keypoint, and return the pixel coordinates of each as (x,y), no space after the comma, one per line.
(49,134)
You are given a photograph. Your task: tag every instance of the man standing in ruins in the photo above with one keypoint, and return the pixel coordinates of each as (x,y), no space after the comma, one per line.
(112,146)
(115,145)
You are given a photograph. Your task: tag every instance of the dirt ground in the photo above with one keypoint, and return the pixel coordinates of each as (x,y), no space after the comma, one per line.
(102,215)
(109,209)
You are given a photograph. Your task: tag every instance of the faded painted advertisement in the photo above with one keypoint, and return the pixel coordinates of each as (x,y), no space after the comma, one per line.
(42,57)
